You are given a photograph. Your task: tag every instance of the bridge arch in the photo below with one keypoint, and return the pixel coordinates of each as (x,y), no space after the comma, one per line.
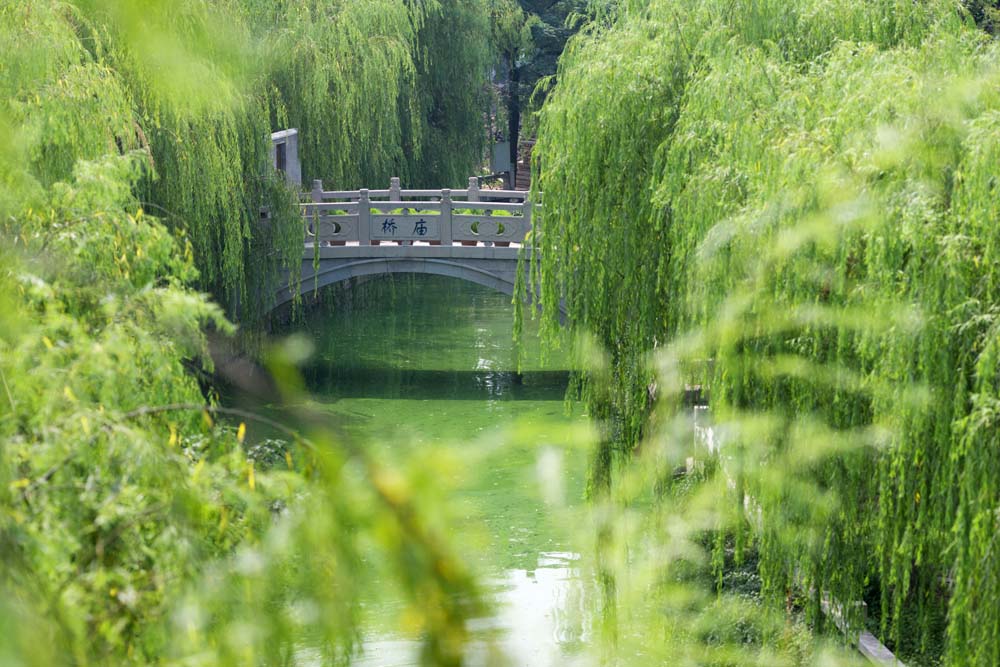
(499,275)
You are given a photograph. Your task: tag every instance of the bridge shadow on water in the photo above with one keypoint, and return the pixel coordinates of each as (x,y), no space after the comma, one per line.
(457,385)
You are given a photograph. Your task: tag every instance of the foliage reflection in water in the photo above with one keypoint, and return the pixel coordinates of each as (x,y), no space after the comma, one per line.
(418,364)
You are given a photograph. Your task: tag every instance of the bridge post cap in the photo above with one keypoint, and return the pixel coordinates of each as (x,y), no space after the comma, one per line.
(317,184)
(473,182)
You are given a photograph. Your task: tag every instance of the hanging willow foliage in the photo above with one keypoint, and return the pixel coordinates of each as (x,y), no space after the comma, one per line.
(804,193)
(135,528)
(377,89)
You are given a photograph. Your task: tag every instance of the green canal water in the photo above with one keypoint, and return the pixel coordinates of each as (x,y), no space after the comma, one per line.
(420,365)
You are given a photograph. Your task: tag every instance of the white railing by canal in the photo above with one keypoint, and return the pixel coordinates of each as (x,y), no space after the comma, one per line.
(470,217)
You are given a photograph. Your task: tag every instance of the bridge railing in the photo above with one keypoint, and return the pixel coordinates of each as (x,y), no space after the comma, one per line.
(472,216)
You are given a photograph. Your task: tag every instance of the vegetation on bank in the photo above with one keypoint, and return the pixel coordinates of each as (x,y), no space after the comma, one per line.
(793,205)
(135,527)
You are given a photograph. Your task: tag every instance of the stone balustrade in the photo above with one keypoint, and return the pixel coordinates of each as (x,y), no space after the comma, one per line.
(470,217)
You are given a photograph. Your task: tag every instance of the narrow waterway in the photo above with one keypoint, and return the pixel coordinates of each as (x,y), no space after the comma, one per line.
(424,364)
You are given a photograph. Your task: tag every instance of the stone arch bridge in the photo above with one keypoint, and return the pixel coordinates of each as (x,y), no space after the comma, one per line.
(472,234)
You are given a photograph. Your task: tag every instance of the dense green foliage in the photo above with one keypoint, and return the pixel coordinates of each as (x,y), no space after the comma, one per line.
(375,88)
(550,27)
(135,529)
(135,526)
(380,89)
(528,37)
(804,194)
(789,203)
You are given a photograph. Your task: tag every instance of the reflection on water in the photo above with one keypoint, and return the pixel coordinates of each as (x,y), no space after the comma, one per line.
(413,361)
(334,381)
(540,622)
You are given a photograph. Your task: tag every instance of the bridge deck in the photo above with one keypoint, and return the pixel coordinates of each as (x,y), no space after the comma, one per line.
(420,251)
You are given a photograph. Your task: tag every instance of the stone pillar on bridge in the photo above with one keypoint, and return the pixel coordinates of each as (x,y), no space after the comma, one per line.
(473,191)
(446,219)
(526,212)
(396,194)
(312,226)
(364,218)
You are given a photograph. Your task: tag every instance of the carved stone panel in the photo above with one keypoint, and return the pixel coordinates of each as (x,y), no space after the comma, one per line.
(405,227)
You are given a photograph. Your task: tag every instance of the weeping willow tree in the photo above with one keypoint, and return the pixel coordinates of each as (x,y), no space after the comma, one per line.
(376,89)
(380,89)
(108,84)
(795,203)
(136,525)
(455,41)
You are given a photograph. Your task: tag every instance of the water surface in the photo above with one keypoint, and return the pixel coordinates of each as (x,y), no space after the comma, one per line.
(416,363)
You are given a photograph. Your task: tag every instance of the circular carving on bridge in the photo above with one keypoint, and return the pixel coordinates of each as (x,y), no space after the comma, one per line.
(486,228)
(330,228)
